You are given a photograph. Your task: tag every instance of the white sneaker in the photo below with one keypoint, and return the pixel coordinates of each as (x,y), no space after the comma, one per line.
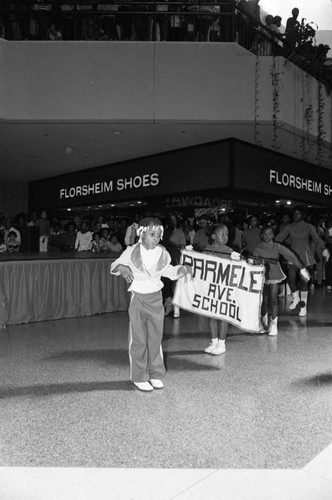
(295,302)
(144,386)
(156,383)
(211,347)
(303,311)
(176,312)
(273,330)
(219,349)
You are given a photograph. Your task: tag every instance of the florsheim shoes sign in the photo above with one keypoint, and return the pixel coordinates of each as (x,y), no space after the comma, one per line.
(231,165)
(192,169)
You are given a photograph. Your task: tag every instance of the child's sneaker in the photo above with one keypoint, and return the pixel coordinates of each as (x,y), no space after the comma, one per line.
(295,301)
(219,349)
(144,386)
(176,313)
(303,311)
(156,383)
(213,344)
(273,331)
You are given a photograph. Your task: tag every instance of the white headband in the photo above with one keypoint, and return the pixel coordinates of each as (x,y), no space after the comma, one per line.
(143,229)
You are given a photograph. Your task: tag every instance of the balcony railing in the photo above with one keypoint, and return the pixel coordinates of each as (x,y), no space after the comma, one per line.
(130,20)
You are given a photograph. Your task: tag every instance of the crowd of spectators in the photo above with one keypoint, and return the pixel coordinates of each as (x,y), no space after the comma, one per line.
(111,234)
(190,20)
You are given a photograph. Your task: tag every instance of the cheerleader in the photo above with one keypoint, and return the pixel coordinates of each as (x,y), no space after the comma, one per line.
(271,251)
(300,235)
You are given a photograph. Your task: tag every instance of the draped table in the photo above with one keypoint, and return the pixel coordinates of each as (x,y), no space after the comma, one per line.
(38,288)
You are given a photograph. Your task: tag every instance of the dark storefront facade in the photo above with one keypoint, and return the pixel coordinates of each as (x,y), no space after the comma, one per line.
(224,175)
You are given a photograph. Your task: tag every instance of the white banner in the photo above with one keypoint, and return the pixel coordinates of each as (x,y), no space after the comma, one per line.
(222,288)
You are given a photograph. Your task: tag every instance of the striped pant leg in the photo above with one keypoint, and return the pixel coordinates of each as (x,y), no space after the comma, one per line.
(138,352)
(155,326)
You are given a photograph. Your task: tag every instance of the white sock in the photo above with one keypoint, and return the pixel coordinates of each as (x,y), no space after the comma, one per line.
(214,341)
(221,341)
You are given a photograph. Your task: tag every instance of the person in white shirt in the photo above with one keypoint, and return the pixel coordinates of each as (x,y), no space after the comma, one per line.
(131,232)
(142,266)
(83,241)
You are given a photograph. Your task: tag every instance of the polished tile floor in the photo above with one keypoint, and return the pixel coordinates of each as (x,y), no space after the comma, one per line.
(254,421)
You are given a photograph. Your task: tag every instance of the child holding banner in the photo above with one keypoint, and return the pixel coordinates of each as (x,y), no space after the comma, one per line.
(271,250)
(142,266)
(219,328)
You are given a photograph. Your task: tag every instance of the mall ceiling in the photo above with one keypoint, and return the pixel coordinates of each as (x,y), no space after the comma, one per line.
(32,151)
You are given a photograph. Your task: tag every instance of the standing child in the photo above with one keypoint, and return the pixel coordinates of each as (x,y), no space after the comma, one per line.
(115,246)
(83,239)
(269,249)
(12,245)
(219,328)
(95,244)
(301,237)
(142,266)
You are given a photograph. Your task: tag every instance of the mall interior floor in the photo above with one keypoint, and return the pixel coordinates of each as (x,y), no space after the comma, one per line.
(254,422)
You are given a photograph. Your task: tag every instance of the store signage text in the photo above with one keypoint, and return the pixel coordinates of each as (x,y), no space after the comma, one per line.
(300,183)
(197,201)
(122,184)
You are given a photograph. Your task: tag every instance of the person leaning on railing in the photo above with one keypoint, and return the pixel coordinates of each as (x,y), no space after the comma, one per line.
(162,20)
(189,27)
(107,20)
(142,20)
(124,21)
(43,11)
(176,25)
(204,21)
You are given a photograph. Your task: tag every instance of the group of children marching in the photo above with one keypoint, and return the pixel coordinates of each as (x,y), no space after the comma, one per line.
(143,265)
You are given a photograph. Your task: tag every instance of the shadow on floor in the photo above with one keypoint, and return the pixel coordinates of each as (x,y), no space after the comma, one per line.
(180,363)
(108,356)
(65,388)
(318,380)
(120,357)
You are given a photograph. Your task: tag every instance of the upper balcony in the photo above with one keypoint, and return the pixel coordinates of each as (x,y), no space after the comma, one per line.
(80,104)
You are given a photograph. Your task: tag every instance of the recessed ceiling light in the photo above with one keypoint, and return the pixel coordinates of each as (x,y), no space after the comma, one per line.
(68,209)
(288,202)
(277,201)
(117,132)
